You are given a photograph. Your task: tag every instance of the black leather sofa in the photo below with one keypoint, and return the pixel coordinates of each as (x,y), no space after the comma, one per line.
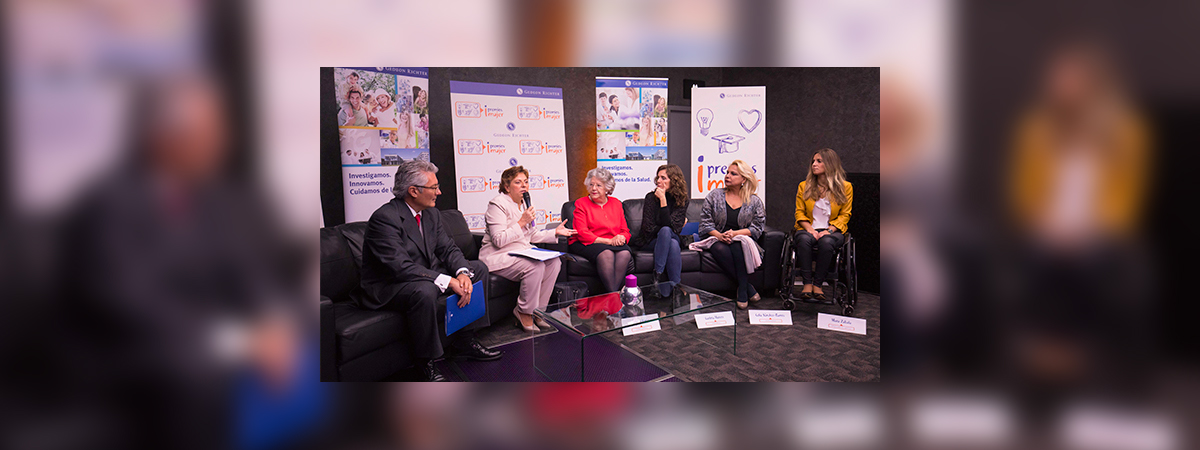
(363,345)
(700,270)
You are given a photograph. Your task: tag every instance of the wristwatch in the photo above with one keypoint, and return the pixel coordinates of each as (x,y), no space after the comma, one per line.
(467,271)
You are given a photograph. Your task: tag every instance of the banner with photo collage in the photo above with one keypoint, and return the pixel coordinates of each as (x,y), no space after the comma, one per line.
(631,132)
(383,119)
(728,123)
(497,126)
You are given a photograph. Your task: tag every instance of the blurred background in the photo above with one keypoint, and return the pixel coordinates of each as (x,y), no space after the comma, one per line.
(161,197)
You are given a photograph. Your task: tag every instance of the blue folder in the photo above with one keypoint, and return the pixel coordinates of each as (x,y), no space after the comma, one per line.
(456,317)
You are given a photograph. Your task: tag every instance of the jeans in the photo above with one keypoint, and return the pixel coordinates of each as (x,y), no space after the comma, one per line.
(825,248)
(666,254)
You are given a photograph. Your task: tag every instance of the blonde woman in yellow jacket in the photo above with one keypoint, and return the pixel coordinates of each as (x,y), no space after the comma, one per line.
(823,203)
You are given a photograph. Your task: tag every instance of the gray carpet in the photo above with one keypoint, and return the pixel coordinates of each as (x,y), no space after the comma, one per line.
(800,352)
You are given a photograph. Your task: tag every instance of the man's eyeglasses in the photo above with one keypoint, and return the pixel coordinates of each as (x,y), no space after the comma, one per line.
(434,187)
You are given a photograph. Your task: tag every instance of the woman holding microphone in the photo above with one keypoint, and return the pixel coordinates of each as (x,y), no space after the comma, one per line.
(510,227)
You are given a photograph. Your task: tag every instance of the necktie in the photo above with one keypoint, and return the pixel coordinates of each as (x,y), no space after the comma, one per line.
(419,224)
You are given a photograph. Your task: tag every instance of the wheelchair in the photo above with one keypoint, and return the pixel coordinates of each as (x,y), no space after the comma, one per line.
(841,286)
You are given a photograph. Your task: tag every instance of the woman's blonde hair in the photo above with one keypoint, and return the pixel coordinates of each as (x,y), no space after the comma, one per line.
(751,184)
(833,179)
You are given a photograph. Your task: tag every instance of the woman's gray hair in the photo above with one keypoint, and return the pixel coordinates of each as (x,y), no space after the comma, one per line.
(605,177)
(412,173)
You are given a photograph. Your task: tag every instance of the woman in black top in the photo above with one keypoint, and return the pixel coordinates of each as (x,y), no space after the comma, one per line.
(663,214)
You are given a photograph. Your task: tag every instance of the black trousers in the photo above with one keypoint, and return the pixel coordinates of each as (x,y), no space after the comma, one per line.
(825,249)
(733,262)
(424,311)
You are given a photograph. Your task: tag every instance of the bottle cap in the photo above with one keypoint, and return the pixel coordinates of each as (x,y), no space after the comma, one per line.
(630,281)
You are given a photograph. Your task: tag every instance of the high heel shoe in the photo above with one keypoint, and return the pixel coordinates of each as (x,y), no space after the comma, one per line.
(541,323)
(531,328)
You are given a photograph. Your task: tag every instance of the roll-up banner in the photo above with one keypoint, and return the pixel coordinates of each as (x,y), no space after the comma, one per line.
(631,132)
(497,126)
(728,123)
(383,119)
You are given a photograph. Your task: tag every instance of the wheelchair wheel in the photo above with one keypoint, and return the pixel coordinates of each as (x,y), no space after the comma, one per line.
(786,283)
(789,305)
(852,275)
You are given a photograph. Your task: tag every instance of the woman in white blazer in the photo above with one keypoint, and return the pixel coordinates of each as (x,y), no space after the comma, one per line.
(510,227)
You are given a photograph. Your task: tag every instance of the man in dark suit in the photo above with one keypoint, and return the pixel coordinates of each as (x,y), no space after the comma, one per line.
(408,260)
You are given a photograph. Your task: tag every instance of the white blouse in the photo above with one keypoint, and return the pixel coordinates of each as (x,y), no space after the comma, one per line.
(821,211)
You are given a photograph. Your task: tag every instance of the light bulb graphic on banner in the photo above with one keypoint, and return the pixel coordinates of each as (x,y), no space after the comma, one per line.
(705,117)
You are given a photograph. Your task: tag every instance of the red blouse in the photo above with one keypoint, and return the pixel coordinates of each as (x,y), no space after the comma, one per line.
(594,221)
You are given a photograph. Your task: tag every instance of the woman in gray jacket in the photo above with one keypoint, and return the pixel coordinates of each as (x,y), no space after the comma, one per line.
(730,212)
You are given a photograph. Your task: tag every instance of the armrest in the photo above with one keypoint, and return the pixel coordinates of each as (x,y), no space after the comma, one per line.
(772,243)
(328,344)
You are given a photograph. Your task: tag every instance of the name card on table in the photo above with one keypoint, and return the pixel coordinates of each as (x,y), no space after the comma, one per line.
(770,317)
(713,320)
(653,325)
(842,323)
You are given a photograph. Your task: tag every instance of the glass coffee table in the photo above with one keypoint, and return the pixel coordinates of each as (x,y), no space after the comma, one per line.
(597,334)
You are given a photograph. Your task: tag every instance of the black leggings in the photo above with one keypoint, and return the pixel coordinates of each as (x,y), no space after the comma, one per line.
(733,263)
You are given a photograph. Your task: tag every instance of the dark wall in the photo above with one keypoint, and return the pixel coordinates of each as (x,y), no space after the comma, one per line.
(807,109)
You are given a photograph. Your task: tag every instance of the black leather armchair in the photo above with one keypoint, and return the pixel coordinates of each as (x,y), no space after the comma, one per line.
(699,268)
(364,345)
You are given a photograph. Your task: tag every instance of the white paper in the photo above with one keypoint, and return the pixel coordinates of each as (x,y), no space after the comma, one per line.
(537,253)
(652,325)
(770,317)
(841,323)
(713,320)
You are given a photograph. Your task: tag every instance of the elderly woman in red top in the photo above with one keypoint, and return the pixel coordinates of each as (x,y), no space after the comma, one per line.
(602,231)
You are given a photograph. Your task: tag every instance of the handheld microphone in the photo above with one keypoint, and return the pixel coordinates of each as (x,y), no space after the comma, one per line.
(527,202)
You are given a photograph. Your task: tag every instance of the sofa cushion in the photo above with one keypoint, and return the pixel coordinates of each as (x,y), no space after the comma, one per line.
(633,217)
(354,233)
(643,261)
(339,268)
(456,226)
(499,286)
(361,331)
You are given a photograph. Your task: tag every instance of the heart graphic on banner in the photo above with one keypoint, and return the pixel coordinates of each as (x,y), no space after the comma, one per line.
(747,117)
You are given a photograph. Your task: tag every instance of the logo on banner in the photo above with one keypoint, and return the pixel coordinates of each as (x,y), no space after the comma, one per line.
(551,114)
(722,95)
(511,126)
(628,83)
(529,112)
(492,112)
(472,184)
(470,147)
(475,221)
(467,109)
(556,182)
(520,91)
(537,182)
(494,148)
(553,148)
(532,147)
(715,175)
(512,162)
